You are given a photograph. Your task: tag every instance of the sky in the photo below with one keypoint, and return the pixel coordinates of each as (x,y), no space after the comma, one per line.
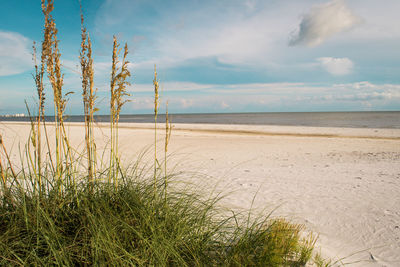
(215,56)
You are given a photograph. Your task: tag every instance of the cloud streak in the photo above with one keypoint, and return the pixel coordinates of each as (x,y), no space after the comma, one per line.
(15,56)
(324,21)
(269,97)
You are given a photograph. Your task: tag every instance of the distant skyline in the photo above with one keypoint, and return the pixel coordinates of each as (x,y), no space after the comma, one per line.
(216,56)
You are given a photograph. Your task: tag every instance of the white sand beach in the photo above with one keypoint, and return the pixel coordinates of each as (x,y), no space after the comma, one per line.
(341,183)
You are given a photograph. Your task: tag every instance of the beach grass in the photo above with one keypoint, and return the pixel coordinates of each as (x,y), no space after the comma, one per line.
(53,213)
(130,225)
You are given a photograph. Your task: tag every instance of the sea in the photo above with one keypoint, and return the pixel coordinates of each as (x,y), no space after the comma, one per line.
(365,119)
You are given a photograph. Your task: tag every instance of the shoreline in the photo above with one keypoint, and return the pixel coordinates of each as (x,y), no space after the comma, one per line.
(264,130)
(356,119)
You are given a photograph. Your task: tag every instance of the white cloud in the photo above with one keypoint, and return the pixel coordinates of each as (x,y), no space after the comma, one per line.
(336,66)
(367,96)
(323,21)
(368,90)
(364,85)
(15,56)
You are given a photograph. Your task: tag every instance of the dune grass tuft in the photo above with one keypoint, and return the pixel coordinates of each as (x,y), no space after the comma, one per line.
(128,225)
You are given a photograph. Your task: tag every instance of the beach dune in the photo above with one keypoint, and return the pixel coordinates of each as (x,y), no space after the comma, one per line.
(341,183)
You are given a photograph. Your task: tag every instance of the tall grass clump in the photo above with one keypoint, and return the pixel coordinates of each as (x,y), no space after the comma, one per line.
(51,58)
(118,84)
(89,96)
(53,213)
(128,227)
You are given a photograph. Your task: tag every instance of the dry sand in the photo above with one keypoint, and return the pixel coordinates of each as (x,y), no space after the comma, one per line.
(342,183)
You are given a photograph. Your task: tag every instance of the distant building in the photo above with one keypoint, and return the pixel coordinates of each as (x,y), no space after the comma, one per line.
(14,115)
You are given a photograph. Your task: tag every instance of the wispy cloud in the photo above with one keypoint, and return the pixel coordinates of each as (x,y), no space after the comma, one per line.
(15,56)
(233,32)
(324,21)
(336,66)
(270,97)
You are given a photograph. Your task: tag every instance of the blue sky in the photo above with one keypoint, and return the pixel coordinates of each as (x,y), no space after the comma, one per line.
(217,56)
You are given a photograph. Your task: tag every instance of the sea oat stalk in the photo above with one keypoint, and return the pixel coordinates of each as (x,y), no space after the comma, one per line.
(7,157)
(38,78)
(89,96)
(118,84)
(168,130)
(32,163)
(156,96)
(2,172)
(51,56)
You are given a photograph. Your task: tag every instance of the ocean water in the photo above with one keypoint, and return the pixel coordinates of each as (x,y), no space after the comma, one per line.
(374,119)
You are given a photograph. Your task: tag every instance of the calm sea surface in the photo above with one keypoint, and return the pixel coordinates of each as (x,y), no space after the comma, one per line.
(319,119)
